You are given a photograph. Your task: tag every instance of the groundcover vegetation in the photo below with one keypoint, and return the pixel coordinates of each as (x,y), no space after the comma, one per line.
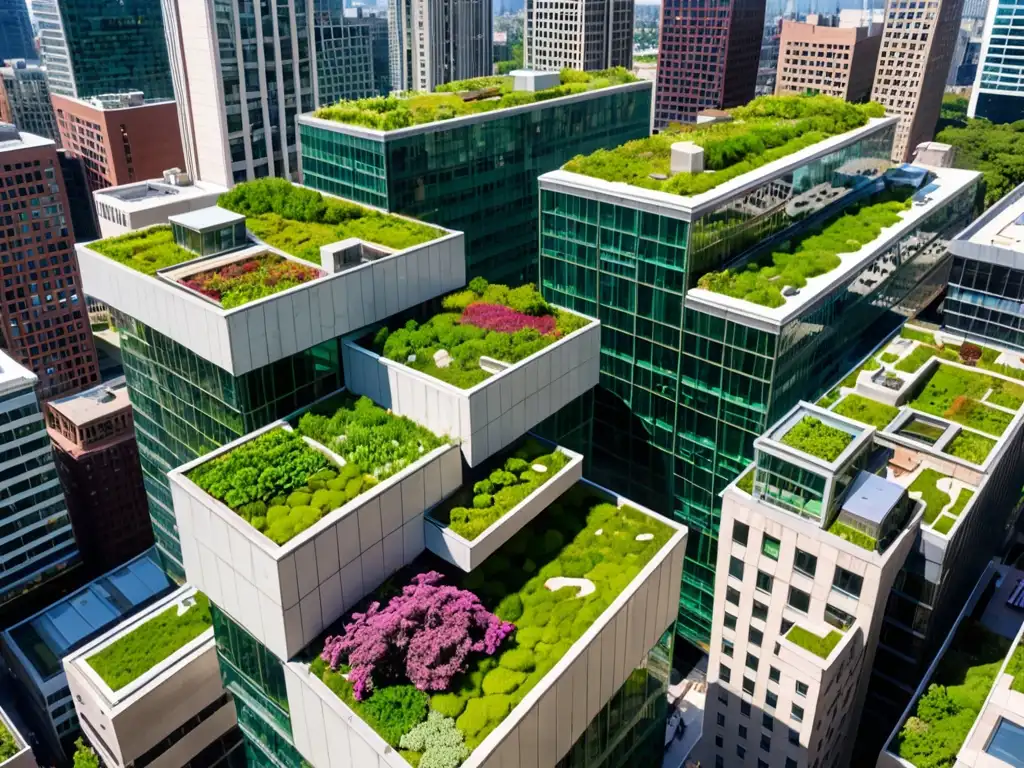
(254,278)
(281,485)
(299,221)
(852,535)
(503,629)
(865,410)
(933,498)
(146,251)
(815,437)
(391,112)
(143,648)
(971,446)
(955,393)
(507,324)
(819,646)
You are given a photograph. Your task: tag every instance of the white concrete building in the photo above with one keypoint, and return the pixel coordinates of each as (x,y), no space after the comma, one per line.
(581,34)
(135,206)
(22,756)
(432,42)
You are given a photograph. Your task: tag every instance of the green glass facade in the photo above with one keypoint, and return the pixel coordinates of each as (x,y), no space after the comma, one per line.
(684,392)
(477,175)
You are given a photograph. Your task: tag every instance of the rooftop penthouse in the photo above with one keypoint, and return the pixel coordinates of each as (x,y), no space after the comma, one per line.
(142,204)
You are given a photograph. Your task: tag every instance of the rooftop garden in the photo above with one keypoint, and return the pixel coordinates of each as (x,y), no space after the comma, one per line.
(8,746)
(146,250)
(147,645)
(474,508)
(852,535)
(1015,667)
(826,400)
(812,253)
(1008,395)
(946,712)
(767,129)
(436,689)
(934,499)
(816,644)
(241,282)
(956,394)
(461,98)
(970,446)
(507,324)
(948,519)
(866,411)
(299,221)
(281,485)
(816,438)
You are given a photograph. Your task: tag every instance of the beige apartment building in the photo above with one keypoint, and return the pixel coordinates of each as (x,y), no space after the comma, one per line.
(835,61)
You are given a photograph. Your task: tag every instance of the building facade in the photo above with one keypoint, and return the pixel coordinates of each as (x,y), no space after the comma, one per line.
(585,34)
(998,93)
(913,62)
(92,47)
(836,61)
(707,58)
(45,322)
(345,60)
(76,184)
(122,138)
(433,42)
(25,99)
(16,38)
(768,64)
(98,464)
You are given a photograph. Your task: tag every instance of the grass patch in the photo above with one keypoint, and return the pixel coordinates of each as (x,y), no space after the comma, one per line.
(970,446)
(746,482)
(918,356)
(819,646)
(944,524)
(146,251)
(933,498)
(850,381)
(961,501)
(867,411)
(955,393)
(8,746)
(147,645)
(1015,667)
(923,336)
(852,535)
(814,437)
(889,357)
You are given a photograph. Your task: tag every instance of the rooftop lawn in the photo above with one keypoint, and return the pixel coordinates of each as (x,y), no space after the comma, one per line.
(1006,394)
(467,690)
(955,393)
(826,400)
(934,499)
(146,251)
(816,644)
(136,653)
(946,712)
(945,523)
(1015,667)
(765,130)
(388,113)
(8,746)
(816,438)
(483,320)
(867,411)
(971,446)
(254,278)
(281,485)
(812,253)
(299,221)
(852,535)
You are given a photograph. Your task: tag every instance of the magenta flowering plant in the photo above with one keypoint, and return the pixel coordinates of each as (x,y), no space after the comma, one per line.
(426,634)
(496,317)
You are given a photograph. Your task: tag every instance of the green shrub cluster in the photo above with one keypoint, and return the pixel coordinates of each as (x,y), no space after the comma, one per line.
(955,393)
(299,221)
(865,410)
(143,648)
(8,746)
(819,646)
(816,438)
(146,250)
(84,756)
(415,344)
(852,535)
(970,446)
(810,254)
(768,128)
(933,498)
(388,113)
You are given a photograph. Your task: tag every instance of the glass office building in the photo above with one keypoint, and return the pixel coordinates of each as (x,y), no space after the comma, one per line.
(689,378)
(998,93)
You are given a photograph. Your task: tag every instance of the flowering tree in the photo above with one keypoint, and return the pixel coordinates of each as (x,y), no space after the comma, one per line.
(496,317)
(426,633)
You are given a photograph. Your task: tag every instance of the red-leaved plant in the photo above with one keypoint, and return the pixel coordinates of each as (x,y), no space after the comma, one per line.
(496,317)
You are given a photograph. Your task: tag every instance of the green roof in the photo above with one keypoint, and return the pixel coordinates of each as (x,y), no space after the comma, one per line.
(146,250)
(816,644)
(461,98)
(816,438)
(9,747)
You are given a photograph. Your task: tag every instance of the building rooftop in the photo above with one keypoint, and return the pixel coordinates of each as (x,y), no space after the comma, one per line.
(154,193)
(11,139)
(204,219)
(871,497)
(96,403)
(997,235)
(13,375)
(46,638)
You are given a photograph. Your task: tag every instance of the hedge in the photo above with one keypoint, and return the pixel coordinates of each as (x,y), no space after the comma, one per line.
(867,411)
(933,498)
(970,446)
(814,437)
(146,250)
(819,646)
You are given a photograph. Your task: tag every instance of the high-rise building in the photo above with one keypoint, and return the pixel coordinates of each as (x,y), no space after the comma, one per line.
(436,42)
(98,464)
(998,93)
(701,353)
(45,322)
(484,182)
(344,58)
(963,69)
(708,57)
(378,23)
(835,61)
(578,35)
(122,138)
(135,206)
(76,185)
(768,64)
(913,62)
(39,541)
(25,99)
(237,96)
(16,38)
(93,47)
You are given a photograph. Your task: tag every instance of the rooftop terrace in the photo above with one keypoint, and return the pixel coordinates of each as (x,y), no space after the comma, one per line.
(462,98)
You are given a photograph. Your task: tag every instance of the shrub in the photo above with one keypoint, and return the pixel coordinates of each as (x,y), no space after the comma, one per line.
(84,756)
(970,353)
(394,710)
(510,609)
(518,660)
(8,746)
(814,437)
(502,680)
(447,704)
(147,250)
(442,744)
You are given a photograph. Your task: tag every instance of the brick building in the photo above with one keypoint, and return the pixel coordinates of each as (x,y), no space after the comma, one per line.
(835,61)
(122,138)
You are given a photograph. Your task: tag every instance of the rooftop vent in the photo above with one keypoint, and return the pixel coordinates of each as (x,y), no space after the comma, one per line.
(529,80)
(177,178)
(687,157)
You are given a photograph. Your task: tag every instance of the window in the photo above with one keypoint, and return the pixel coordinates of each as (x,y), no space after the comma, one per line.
(724,673)
(732,595)
(748,686)
(723,697)
(846,582)
(752,661)
(721,719)
(761,763)
(730,621)
(745,708)
(720,763)
(740,752)
(771,700)
(719,741)
(785,626)
(766,743)
(767,721)
(799,599)
(805,562)
(794,737)
(755,636)
(773,674)
(727,647)
(790,763)
(801,688)
(764,581)
(770,547)
(798,714)
(740,531)
(837,618)
(760,611)
(736,567)
(743,731)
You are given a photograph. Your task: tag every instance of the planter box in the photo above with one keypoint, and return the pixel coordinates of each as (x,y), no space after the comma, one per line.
(491,415)
(466,554)
(254,335)
(23,758)
(285,595)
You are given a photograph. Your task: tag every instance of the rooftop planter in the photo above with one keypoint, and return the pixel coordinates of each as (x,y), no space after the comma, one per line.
(249,279)
(852,535)
(970,446)
(816,438)
(498,500)
(528,666)
(297,524)
(818,645)
(9,746)
(497,377)
(146,251)
(866,411)
(956,393)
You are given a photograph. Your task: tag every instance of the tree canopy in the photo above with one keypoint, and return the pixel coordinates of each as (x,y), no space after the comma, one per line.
(997,150)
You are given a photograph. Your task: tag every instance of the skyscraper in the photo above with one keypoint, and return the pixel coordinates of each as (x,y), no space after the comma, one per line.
(344,54)
(998,93)
(25,99)
(91,47)
(16,38)
(708,57)
(581,34)
(433,42)
(836,61)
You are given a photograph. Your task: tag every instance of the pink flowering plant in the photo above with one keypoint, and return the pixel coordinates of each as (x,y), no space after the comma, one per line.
(496,317)
(244,281)
(425,634)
